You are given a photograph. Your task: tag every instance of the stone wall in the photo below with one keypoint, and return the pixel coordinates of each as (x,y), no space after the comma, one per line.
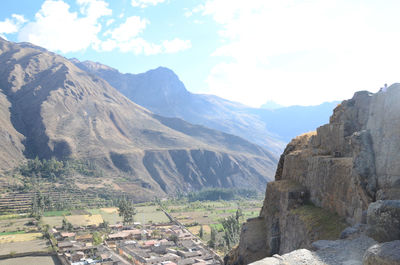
(328,178)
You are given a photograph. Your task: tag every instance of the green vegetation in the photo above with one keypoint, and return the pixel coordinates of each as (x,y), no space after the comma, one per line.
(215,194)
(201,232)
(66,225)
(126,211)
(12,216)
(231,227)
(56,213)
(213,237)
(38,205)
(220,221)
(315,218)
(12,233)
(53,169)
(97,238)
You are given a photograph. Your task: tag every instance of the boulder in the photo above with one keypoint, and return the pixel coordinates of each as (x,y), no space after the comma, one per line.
(383,220)
(383,254)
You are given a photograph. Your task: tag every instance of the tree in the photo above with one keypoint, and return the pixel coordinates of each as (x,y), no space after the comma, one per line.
(201,232)
(66,225)
(213,236)
(38,205)
(173,238)
(239,214)
(231,231)
(126,211)
(97,238)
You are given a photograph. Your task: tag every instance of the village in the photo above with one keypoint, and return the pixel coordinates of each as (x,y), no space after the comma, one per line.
(163,243)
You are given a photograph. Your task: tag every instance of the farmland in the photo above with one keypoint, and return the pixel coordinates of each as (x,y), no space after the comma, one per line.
(209,215)
(144,214)
(46,260)
(20,233)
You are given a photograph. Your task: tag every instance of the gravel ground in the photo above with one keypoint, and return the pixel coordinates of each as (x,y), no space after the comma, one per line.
(339,252)
(344,252)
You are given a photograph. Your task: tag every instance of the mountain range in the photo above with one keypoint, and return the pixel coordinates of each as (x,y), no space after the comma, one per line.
(51,108)
(161,91)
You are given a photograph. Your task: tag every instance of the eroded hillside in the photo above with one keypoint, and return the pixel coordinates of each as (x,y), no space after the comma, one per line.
(51,108)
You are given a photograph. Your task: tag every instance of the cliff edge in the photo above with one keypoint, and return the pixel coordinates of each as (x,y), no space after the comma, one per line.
(345,173)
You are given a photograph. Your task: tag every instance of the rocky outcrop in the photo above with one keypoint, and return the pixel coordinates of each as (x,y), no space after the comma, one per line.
(384,220)
(383,254)
(346,252)
(336,172)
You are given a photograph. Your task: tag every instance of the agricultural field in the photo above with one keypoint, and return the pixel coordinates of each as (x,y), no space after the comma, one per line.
(11,225)
(207,214)
(144,214)
(18,237)
(46,260)
(147,214)
(38,245)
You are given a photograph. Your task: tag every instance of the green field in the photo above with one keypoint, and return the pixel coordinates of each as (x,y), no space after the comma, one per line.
(144,215)
(209,214)
(56,213)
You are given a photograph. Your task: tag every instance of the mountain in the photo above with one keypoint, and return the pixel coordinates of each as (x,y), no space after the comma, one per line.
(51,108)
(271,105)
(161,91)
(346,173)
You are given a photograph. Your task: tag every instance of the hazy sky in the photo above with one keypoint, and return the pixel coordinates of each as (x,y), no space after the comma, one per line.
(292,52)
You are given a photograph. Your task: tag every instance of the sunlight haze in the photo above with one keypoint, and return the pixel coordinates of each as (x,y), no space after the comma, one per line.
(289,52)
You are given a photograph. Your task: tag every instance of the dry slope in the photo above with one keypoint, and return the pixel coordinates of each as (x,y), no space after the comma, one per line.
(49,107)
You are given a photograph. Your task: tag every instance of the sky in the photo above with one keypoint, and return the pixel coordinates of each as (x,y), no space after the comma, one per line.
(292,52)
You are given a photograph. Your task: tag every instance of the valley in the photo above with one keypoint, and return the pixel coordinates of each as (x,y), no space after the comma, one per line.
(27,238)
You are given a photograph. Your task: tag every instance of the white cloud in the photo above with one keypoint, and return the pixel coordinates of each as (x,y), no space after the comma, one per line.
(20,19)
(132,27)
(58,29)
(10,26)
(110,21)
(196,9)
(126,37)
(176,45)
(94,9)
(140,46)
(302,52)
(145,3)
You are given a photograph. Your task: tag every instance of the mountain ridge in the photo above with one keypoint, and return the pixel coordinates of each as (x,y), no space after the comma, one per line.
(54,109)
(268,128)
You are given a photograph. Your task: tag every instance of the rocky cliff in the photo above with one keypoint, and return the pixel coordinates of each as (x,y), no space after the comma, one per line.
(345,173)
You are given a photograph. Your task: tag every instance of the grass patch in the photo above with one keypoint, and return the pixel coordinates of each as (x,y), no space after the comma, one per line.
(108,214)
(327,224)
(85,220)
(12,216)
(53,221)
(12,233)
(24,237)
(56,213)
(147,214)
